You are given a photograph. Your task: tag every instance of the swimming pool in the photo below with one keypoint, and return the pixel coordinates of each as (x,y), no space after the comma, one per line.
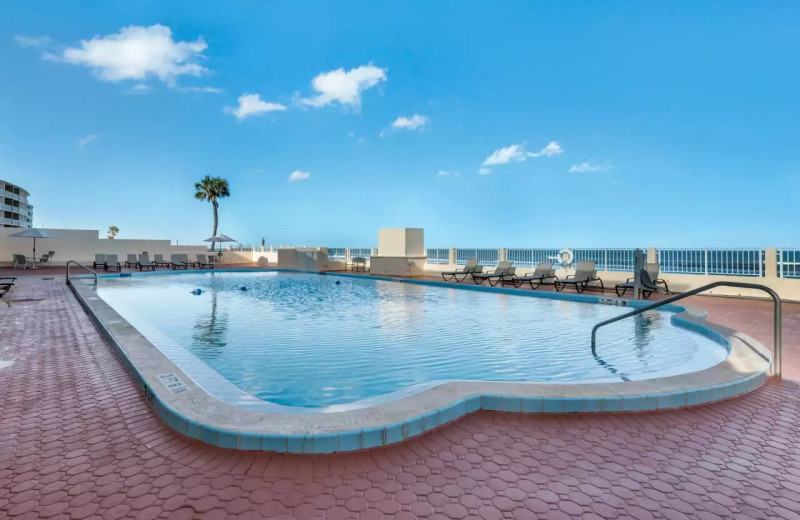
(331,343)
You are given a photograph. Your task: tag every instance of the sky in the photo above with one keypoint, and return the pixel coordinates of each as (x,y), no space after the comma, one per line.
(489,124)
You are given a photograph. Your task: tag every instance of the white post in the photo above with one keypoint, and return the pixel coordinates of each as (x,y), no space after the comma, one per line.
(452,257)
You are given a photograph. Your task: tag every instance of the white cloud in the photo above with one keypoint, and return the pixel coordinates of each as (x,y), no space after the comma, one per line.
(32,41)
(252,105)
(298,175)
(140,88)
(587,167)
(553,148)
(446,173)
(83,141)
(410,123)
(517,153)
(344,87)
(505,155)
(202,90)
(137,53)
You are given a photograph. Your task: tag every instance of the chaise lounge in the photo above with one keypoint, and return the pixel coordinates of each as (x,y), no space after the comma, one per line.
(585,274)
(159,261)
(501,272)
(112,263)
(99,261)
(6,284)
(203,263)
(145,263)
(646,284)
(132,261)
(544,271)
(179,261)
(471,267)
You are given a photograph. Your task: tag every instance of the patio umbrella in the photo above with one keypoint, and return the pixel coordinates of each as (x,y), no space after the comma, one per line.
(219,238)
(34,233)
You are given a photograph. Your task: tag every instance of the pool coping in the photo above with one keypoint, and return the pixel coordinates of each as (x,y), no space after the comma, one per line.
(184,406)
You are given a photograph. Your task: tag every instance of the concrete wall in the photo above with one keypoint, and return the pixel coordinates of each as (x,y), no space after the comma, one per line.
(399,242)
(82,244)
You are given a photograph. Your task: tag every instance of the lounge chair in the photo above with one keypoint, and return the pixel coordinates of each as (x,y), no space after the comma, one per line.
(132,261)
(501,272)
(159,261)
(471,266)
(145,263)
(585,274)
(179,261)
(6,284)
(112,263)
(544,271)
(22,261)
(44,260)
(646,284)
(99,261)
(203,263)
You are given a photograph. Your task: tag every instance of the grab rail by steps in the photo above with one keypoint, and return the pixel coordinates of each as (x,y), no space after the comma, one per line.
(777,361)
(83,266)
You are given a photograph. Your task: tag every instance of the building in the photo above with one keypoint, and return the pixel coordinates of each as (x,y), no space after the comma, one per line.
(16,211)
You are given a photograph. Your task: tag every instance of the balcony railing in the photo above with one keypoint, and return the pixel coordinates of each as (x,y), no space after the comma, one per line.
(487,257)
(724,262)
(438,256)
(789,263)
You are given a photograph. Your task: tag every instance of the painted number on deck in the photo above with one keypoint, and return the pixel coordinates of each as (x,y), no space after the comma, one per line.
(173,383)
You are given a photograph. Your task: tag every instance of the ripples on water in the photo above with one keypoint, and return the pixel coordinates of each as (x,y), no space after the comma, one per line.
(306,340)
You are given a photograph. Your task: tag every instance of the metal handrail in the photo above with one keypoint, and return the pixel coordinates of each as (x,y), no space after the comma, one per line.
(775,298)
(94,273)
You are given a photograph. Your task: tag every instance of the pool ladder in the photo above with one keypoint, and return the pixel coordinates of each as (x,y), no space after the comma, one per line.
(778,358)
(94,273)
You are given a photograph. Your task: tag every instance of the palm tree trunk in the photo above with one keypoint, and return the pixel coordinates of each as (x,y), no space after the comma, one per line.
(216,222)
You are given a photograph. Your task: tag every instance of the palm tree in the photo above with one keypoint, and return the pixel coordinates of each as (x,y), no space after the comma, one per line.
(211,189)
(112,232)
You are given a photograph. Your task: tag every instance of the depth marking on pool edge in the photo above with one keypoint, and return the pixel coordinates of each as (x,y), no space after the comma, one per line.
(173,383)
(613,301)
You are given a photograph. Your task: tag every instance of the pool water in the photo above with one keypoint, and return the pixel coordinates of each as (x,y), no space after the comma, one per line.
(308,340)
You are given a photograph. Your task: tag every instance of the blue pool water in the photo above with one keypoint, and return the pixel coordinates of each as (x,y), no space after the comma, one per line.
(307,340)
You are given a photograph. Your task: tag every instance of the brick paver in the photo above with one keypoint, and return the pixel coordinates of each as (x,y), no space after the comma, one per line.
(77,440)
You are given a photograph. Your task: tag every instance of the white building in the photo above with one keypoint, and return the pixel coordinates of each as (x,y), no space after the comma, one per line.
(16,212)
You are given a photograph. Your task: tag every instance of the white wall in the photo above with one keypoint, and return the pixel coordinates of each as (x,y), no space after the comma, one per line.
(82,244)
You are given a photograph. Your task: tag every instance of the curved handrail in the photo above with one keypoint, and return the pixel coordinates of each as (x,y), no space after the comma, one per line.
(94,273)
(777,365)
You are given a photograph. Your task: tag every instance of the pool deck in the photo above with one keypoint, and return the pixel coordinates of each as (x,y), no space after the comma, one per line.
(78,440)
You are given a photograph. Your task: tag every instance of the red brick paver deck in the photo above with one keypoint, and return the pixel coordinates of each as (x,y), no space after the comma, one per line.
(77,440)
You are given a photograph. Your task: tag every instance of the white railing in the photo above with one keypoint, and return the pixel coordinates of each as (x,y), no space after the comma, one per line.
(531,257)
(486,257)
(726,262)
(789,263)
(438,256)
(363,252)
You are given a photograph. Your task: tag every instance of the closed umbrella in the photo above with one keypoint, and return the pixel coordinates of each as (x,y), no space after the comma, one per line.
(219,238)
(34,233)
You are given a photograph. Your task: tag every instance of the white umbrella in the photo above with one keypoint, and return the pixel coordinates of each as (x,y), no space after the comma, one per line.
(34,233)
(219,238)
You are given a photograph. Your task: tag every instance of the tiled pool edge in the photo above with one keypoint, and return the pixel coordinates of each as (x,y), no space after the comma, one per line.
(451,401)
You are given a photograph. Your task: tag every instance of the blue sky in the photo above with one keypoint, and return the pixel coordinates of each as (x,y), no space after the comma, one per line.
(600,123)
